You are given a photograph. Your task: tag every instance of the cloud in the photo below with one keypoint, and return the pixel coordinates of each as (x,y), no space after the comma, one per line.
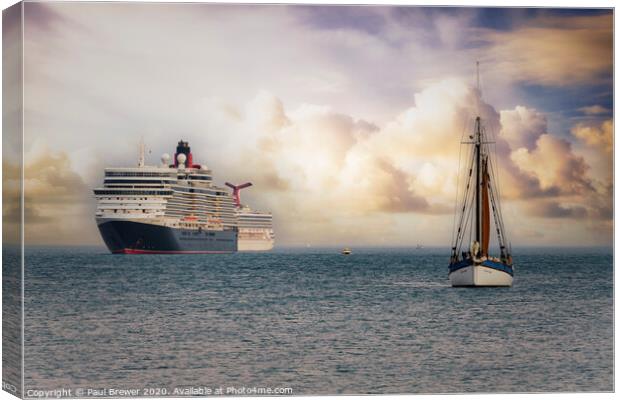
(551,209)
(408,165)
(536,163)
(385,188)
(555,165)
(554,50)
(58,205)
(317,161)
(319,167)
(49,178)
(522,127)
(267,112)
(594,141)
(11,199)
(594,110)
(597,136)
(395,169)
(450,28)
(569,182)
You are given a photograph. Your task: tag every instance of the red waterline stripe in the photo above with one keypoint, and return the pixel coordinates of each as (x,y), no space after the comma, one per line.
(137,251)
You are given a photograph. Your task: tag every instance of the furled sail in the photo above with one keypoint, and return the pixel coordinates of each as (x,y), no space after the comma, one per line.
(486,217)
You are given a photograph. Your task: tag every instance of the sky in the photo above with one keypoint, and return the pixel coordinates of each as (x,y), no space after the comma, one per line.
(347,119)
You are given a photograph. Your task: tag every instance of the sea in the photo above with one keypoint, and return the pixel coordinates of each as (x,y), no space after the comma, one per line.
(314,322)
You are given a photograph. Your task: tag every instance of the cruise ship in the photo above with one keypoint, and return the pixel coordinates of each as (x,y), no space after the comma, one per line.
(255,227)
(171,208)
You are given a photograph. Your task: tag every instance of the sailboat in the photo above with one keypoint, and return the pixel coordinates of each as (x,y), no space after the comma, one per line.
(474,265)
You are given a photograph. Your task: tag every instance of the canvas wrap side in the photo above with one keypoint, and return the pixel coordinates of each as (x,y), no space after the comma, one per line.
(12,200)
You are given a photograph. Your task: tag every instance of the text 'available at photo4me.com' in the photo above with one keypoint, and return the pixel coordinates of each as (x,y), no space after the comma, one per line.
(158,391)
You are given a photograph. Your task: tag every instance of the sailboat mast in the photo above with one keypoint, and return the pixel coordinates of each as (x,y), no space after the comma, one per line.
(478,170)
(478,143)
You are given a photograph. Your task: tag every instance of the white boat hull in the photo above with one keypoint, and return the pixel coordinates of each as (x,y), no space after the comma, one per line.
(255,245)
(479,275)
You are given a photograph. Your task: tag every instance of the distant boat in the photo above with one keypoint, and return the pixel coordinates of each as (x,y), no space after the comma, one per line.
(419,246)
(346,251)
(475,266)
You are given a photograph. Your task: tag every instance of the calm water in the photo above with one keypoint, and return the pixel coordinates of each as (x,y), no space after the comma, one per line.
(378,321)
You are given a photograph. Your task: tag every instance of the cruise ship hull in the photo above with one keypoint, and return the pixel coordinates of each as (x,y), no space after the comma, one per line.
(255,244)
(132,237)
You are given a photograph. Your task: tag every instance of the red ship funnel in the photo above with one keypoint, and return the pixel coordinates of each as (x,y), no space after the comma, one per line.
(183,148)
(236,189)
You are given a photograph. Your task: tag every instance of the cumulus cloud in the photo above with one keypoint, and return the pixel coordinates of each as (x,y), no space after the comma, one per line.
(410,163)
(555,165)
(597,136)
(317,161)
(568,181)
(315,166)
(596,145)
(349,165)
(522,127)
(379,186)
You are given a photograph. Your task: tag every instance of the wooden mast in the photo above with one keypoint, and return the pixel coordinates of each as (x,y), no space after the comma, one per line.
(478,197)
(486,215)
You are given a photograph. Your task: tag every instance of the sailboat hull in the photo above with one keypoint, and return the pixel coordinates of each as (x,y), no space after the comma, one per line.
(479,274)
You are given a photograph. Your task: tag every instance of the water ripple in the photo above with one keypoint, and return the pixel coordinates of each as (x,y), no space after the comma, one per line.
(379,321)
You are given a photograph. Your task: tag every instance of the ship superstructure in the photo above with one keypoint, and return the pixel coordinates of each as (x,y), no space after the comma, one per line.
(255,227)
(170,208)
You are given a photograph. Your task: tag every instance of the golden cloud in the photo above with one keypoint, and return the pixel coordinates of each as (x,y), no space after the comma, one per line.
(324,171)
(57,202)
(596,136)
(556,51)
(330,163)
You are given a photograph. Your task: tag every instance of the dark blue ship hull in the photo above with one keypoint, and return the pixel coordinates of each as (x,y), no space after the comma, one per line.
(129,237)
